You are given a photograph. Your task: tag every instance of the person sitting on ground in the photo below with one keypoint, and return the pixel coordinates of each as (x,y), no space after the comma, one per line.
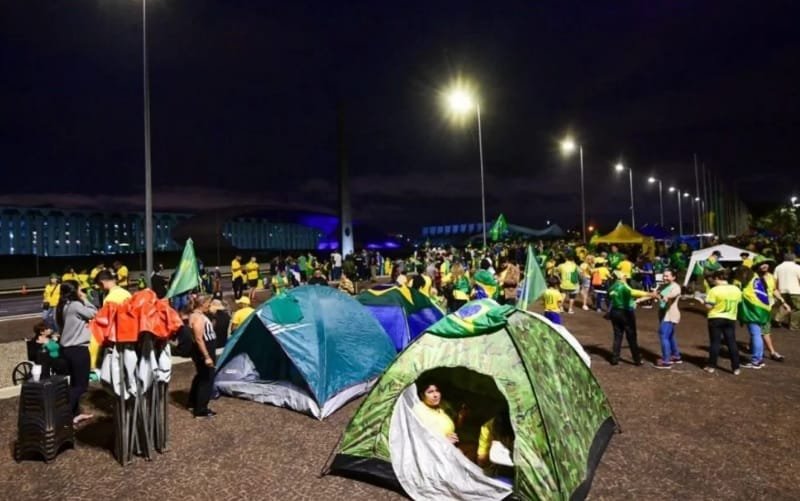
(430,412)
(345,284)
(317,278)
(244,310)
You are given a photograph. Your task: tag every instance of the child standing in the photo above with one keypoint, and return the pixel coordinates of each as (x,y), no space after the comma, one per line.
(553,299)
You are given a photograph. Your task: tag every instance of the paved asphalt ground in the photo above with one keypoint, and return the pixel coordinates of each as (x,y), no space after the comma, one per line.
(686,435)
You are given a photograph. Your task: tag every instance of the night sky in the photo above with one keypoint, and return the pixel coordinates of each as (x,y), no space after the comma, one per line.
(244,99)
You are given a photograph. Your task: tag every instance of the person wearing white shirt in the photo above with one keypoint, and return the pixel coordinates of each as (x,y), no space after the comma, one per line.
(336,265)
(787,276)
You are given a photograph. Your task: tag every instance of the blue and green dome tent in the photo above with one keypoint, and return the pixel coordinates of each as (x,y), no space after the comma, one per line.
(403,312)
(311,349)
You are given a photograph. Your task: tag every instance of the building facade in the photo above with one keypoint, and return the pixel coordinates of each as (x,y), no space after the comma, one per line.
(66,232)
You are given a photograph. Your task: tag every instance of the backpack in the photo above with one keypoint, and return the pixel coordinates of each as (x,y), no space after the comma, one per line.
(597,278)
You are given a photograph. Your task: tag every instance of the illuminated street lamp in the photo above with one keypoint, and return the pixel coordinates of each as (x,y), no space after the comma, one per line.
(461,101)
(652,180)
(619,168)
(680,214)
(568,146)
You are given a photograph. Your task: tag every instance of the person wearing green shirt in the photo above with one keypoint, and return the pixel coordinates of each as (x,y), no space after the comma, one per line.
(623,300)
(722,302)
(614,258)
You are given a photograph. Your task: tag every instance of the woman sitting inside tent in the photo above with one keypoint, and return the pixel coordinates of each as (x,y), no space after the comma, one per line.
(430,412)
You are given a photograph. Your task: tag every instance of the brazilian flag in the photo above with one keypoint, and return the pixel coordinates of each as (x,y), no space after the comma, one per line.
(499,228)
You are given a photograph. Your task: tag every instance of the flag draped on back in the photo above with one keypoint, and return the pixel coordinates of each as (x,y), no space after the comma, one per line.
(534,285)
(187,276)
(499,227)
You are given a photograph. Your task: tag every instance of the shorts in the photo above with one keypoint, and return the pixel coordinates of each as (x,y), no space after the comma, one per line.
(766,329)
(553,317)
(571,294)
(252,283)
(586,282)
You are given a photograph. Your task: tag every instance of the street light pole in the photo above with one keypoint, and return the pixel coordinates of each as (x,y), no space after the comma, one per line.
(680,213)
(619,167)
(567,147)
(633,211)
(148,182)
(661,202)
(483,192)
(583,199)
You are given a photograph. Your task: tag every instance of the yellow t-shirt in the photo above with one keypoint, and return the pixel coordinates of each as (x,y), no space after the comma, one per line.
(435,420)
(724,300)
(252,270)
(748,263)
(236,269)
(122,276)
(240,316)
(116,295)
(426,289)
(625,267)
(565,271)
(69,276)
(552,300)
(485,439)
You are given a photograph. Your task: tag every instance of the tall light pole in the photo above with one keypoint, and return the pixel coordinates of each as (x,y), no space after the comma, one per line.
(461,101)
(567,147)
(680,212)
(148,181)
(652,180)
(619,168)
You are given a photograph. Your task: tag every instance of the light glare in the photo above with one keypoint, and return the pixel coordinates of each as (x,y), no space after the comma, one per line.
(619,167)
(568,145)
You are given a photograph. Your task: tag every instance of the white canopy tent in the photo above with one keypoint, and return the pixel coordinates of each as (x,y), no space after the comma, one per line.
(728,253)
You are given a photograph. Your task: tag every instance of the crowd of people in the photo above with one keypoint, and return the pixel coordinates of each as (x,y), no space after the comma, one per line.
(612,281)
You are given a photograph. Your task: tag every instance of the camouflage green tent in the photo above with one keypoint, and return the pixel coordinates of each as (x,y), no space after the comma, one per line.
(484,357)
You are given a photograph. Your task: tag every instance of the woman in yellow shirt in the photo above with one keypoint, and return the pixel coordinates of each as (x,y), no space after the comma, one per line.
(430,412)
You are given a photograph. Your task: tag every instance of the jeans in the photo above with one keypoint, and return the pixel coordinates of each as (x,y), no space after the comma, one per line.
(600,299)
(719,328)
(669,347)
(624,323)
(49,318)
(756,343)
(77,358)
(336,273)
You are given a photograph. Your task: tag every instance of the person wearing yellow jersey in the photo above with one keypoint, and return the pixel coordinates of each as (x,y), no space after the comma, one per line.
(585,272)
(722,302)
(113,294)
(425,287)
(251,268)
(625,266)
(461,287)
(430,413)
(569,281)
(69,274)
(553,299)
(244,311)
(122,274)
(83,280)
(237,276)
(747,261)
(280,282)
(49,302)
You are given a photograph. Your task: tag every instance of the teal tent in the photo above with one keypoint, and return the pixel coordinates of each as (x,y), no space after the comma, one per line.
(312,349)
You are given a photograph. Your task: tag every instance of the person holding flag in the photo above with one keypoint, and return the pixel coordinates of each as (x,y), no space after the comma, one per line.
(533,286)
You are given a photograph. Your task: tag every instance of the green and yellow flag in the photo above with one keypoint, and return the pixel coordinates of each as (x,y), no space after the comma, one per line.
(187,276)
(534,285)
(499,228)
